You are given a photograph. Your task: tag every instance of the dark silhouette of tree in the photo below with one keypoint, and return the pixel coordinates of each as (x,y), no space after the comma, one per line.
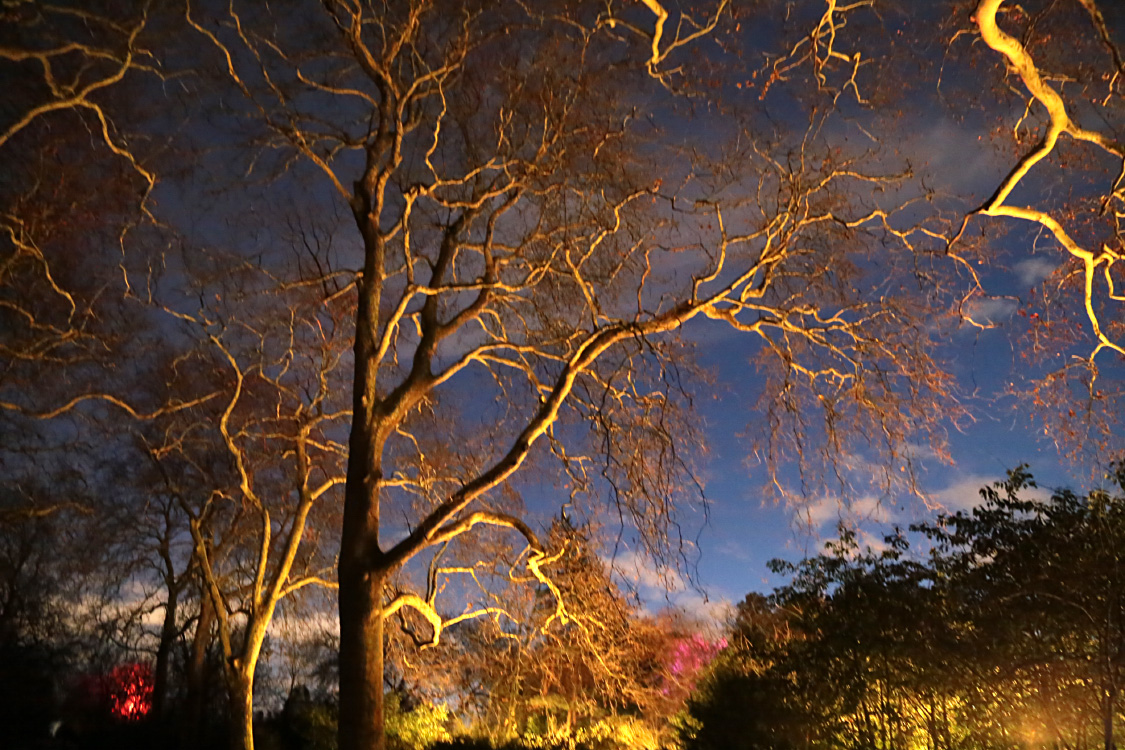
(1007,632)
(1041,581)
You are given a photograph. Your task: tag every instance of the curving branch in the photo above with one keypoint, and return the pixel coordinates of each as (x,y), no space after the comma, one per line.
(1094,261)
(688,30)
(170,408)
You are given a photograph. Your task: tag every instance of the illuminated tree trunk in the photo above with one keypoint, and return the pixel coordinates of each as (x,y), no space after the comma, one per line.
(240,677)
(361,575)
(361,661)
(241,686)
(363,569)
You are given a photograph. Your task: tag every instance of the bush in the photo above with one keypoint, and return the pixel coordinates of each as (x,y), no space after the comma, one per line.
(415,729)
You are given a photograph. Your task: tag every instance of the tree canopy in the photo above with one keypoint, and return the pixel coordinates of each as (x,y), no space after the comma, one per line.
(350,298)
(1004,634)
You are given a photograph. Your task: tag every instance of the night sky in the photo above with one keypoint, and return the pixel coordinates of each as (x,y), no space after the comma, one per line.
(747,525)
(327,326)
(956,139)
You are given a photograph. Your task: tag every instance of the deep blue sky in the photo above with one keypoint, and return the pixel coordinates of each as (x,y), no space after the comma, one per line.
(746,528)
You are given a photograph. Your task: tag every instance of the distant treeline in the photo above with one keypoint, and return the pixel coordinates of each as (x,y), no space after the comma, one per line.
(1003,628)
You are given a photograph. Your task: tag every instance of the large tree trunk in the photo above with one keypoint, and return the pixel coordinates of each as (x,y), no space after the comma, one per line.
(240,680)
(195,716)
(362,571)
(164,653)
(241,727)
(361,659)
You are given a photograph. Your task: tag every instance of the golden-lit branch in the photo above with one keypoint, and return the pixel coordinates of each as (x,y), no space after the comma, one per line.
(64,75)
(438,624)
(24,246)
(694,30)
(28,512)
(821,51)
(170,408)
(76,96)
(300,583)
(1060,123)
(536,560)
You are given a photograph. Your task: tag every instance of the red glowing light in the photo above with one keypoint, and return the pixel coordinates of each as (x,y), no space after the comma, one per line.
(130,691)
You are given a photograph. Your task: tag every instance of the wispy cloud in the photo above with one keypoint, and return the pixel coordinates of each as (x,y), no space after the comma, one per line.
(645,575)
(709,610)
(964,493)
(871,517)
(660,588)
(826,512)
(1031,271)
(941,148)
(990,310)
(817,514)
(961,494)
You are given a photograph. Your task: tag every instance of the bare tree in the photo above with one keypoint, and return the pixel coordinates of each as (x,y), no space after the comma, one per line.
(525,232)
(60,60)
(254,470)
(1063,68)
(603,670)
(535,230)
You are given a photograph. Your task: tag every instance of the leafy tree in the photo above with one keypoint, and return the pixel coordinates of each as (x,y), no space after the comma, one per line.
(860,650)
(1042,583)
(1006,633)
(871,661)
(417,728)
(744,699)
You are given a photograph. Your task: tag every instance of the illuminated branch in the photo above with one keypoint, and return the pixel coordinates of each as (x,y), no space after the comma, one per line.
(300,583)
(1060,123)
(169,408)
(723,303)
(821,51)
(698,30)
(437,623)
(537,560)
(65,99)
(9,515)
